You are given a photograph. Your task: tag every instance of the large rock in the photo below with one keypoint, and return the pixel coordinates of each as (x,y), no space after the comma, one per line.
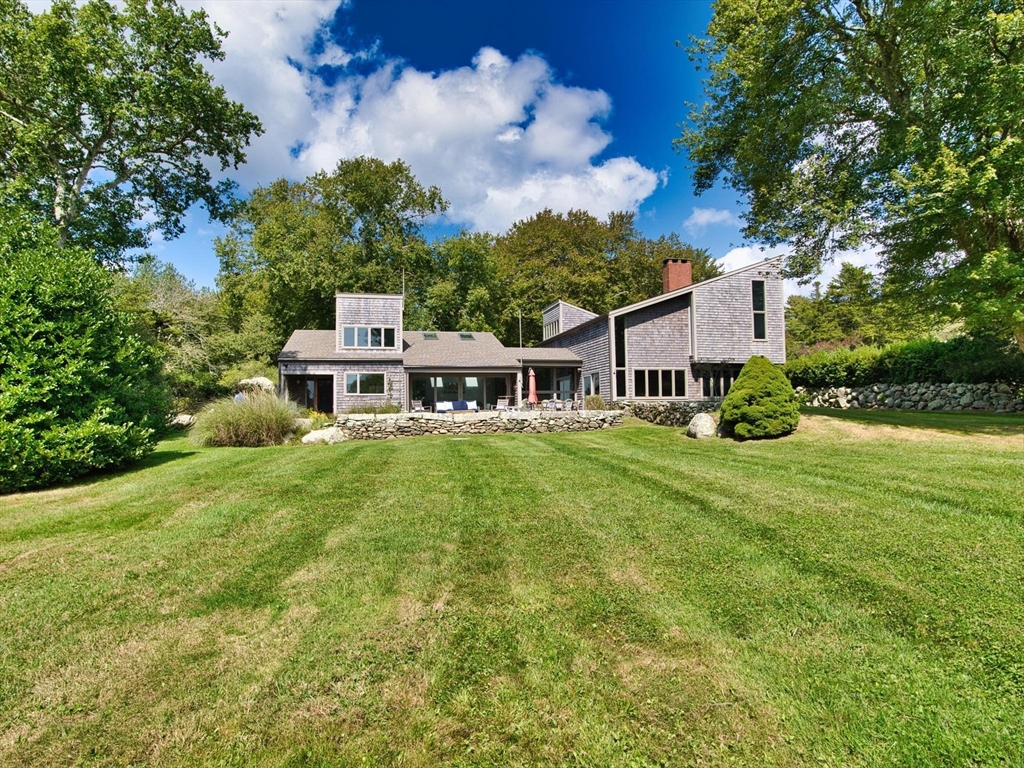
(329,435)
(701,426)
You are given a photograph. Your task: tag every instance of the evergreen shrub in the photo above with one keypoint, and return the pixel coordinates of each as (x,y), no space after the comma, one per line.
(594,403)
(79,390)
(760,403)
(254,420)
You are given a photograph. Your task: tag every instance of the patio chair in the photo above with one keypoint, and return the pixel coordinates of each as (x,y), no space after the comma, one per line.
(502,404)
(418,407)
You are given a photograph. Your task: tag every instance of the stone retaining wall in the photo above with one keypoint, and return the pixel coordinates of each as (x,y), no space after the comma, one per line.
(368,426)
(917,397)
(676,413)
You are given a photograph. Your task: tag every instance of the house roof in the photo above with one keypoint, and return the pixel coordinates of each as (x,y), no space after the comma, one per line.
(306,345)
(439,350)
(547,355)
(450,350)
(662,297)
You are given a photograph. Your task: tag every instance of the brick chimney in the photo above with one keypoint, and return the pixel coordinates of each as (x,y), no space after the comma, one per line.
(675,274)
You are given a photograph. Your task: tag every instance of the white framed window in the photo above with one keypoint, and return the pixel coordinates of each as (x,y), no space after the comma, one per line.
(550,329)
(758,309)
(659,383)
(368,336)
(364,383)
(592,384)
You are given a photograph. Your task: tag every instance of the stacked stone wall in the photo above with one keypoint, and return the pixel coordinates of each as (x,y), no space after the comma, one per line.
(998,398)
(358,426)
(675,413)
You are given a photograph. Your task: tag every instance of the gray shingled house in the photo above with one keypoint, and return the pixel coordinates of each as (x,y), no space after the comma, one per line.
(687,343)
(369,360)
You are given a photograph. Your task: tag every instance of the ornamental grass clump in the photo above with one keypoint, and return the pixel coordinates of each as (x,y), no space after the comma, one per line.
(760,404)
(251,421)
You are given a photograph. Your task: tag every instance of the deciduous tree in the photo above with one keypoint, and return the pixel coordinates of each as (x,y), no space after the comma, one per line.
(108,118)
(357,228)
(896,123)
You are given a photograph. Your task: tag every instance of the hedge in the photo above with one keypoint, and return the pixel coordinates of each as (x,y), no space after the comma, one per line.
(965,359)
(79,391)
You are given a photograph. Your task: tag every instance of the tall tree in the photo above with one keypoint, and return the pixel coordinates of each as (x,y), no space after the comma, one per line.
(855,309)
(896,123)
(108,118)
(597,265)
(357,228)
(463,294)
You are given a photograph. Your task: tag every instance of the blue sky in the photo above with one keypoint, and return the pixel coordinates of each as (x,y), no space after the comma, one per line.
(509,107)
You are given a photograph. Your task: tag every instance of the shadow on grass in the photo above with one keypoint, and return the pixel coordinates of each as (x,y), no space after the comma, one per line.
(995,424)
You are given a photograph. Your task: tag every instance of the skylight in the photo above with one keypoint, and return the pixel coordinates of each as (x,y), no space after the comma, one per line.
(466,336)
(430,336)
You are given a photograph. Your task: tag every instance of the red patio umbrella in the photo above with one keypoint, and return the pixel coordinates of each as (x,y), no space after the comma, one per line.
(532,397)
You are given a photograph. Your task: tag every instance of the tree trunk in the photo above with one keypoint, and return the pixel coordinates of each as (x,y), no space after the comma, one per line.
(1018,334)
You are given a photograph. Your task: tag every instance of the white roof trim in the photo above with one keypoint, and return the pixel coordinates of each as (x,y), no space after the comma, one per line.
(688,289)
(370,296)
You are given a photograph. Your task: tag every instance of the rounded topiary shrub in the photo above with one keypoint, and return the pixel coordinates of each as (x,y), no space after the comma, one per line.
(760,404)
(248,421)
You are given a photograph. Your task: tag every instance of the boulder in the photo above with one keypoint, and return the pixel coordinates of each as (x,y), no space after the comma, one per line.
(701,426)
(329,435)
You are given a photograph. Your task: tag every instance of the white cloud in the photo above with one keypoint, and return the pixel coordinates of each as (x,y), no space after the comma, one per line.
(701,218)
(501,137)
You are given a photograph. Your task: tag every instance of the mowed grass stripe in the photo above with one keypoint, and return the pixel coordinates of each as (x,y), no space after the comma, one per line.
(618,598)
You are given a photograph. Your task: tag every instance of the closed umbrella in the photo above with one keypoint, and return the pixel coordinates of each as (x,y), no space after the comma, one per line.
(532,397)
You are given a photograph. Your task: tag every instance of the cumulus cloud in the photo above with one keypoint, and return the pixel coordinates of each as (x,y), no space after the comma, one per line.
(501,137)
(702,218)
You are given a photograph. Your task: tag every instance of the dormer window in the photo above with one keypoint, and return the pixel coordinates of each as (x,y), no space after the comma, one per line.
(367,337)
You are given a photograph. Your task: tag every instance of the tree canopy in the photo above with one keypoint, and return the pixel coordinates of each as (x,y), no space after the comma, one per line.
(856,308)
(357,228)
(894,123)
(108,119)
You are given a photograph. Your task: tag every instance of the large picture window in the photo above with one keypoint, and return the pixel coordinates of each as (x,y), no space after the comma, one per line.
(757,302)
(659,382)
(364,383)
(369,337)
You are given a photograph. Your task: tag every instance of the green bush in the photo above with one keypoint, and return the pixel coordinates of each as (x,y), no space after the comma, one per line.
(760,403)
(594,403)
(965,359)
(251,421)
(835,368)
(79,390)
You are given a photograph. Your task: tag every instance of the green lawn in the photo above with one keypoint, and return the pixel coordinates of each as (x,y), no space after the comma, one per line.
(850,595)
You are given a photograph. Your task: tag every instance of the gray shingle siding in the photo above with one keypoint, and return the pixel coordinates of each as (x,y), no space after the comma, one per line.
(371,310)
(591,344)
(658,336)
(394,375)
(573,316)
(725,320)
